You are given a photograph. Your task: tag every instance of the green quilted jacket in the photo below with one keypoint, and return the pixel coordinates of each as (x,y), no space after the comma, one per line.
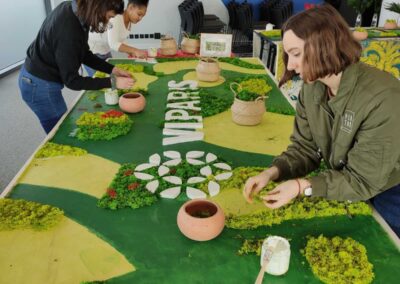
(356,133)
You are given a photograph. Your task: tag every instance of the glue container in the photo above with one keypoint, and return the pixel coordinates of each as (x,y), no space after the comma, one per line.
(280,259)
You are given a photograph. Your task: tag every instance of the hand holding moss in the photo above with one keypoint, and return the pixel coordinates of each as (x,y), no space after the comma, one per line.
(255,184)
(121,72)
(282,194)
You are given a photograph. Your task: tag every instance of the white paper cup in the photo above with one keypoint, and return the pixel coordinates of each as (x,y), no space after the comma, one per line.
(152,52)
(111,97)
(279,262)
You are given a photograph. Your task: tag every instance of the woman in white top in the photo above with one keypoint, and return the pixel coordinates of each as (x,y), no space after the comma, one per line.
(117,33)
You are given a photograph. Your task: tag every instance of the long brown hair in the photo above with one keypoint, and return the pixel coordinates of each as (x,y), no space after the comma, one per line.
(329,46)
(93,12)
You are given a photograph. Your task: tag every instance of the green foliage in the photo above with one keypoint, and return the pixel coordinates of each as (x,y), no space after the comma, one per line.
(393,7)
(126,191)
(51,149)
(338,261)
(191,36)
(102,125)
(249,89)
(300,208)
(144,92)
(359,5)
(360,29)
(21,214)
(239,62)
(251,246)
(391,21)
(272,34)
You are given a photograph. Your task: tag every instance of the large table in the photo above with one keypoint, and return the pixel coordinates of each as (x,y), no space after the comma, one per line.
(145,245)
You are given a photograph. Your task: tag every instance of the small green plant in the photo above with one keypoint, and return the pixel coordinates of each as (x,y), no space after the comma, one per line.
(393,7)
(359,5)
(361,30)
(251,89)
(391,21)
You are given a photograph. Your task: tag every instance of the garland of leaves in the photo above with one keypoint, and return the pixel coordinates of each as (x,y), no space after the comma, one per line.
(102,125)
(51,149)
(337,260)
(21,214)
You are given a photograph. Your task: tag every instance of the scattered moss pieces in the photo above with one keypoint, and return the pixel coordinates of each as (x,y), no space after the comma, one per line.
(51,149)
(239,62)
(338,260)
(21,214)
(251,246)
(103,125)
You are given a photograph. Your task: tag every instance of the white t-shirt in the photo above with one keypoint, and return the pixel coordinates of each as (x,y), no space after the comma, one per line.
(116,34)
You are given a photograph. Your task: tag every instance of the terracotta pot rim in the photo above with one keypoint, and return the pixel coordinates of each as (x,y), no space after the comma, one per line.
(136,94)
(198,219)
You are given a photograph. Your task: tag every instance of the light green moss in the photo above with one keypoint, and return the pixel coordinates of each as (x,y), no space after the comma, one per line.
(51,149)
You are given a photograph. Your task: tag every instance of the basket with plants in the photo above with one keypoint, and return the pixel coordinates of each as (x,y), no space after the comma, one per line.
(190,43)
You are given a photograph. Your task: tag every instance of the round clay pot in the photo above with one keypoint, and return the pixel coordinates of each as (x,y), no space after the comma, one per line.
(208,70)
(168,46)
(132,102)
(360,35)
(390,26)
(191,46)
(201,220)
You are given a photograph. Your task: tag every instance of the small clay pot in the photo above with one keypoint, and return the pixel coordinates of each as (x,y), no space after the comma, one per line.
(208,70)
(201,220)
(132,102)
(390,25)
(360,35)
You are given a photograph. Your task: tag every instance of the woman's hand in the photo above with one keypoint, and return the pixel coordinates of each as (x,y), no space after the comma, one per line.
(255,184)
(282,194)
(138,53)
(121,73)
(124,82)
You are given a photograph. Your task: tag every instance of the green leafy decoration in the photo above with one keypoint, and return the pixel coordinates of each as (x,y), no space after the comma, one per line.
(239,62)
(51,149)
(359,5)
(338,261)
(21,214)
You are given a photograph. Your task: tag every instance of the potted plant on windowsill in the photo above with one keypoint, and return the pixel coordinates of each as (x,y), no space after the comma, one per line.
(360,34)
(395,8)
(248,107)
(390,24)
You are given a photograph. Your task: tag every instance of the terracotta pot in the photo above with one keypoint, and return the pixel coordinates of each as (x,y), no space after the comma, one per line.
(168,46)
(360,35)
(208,70)
(191,46)
(390,26)
(247,112)
(132,102)
(201,220)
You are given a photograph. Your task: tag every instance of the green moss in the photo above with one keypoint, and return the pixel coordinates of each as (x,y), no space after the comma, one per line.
(272,34)
(251,246)
(239,62)
(20,214)
(338,260)
(51,149)
(103,125)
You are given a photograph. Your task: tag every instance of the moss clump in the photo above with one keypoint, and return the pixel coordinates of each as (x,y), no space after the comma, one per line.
(126,191)
(21,214)
(103,125)
(251,246)
(241,63)
(338,260)
(51,149)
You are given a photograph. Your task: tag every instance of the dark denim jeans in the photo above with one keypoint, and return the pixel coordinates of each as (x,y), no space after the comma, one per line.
(43,97)
(91,71)
(388,205)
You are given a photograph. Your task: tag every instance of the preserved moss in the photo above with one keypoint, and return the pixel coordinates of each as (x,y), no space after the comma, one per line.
(51,149)
(21,214)
(338,261)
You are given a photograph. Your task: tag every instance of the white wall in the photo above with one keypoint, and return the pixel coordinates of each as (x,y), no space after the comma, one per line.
(19,23)
(385,14)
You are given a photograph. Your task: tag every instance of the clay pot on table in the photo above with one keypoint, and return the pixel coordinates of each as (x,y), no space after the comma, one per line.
(132,102)
(390,25)
(208,70)
(360,35)
(201,219)
(168,46)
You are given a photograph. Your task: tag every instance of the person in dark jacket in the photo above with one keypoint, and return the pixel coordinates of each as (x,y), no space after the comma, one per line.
(55,56)
(347,115)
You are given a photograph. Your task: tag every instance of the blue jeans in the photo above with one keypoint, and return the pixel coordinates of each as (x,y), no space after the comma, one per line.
(91,71)
(43,97)
(388,205)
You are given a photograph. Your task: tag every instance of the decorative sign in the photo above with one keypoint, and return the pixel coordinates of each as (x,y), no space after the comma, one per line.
(215,45)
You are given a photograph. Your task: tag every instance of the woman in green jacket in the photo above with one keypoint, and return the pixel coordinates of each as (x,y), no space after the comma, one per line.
(347,115)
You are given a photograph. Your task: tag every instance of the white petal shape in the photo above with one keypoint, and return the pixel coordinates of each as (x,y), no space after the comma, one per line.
(194,154)
(194,193)
(143,176)
(210,157)
(143,167)
(195,162)
(172,162)
(195,180)
(163,170)
(171,193)
(173,179)
(152,186)
(155,159)
(206,171)
(172,154)
(222,166)
(213,188)
(223,176)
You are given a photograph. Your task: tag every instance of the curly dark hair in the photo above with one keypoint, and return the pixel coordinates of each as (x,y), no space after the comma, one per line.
(93,12)
(139,2)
